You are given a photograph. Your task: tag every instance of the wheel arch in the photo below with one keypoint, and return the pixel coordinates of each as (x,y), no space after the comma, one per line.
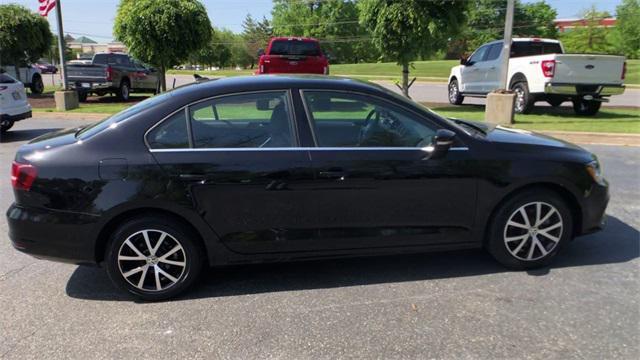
(113,222)
(517,77)
(565,194)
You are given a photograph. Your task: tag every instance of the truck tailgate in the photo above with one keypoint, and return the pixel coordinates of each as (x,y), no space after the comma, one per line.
(88,72)
(588,69)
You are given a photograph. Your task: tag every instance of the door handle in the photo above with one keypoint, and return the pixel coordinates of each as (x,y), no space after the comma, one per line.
(193,177)
(337,174)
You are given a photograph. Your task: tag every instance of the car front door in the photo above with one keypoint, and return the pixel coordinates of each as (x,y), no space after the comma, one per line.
(375,183)
(473,72)
(243,169)
(491,64)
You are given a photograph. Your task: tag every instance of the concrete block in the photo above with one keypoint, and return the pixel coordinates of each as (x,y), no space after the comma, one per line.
(66,100)
(499,108)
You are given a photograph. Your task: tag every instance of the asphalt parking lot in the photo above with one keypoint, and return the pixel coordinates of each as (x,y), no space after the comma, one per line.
(445,305)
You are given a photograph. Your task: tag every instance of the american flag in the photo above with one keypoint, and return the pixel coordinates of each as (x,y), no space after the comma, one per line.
(46,6)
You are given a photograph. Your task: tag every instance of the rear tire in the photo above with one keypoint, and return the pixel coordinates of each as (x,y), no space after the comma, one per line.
(586,107)
(124,91)
(455,98)
(153,257)
(524,100)
(547,228)
(37,86)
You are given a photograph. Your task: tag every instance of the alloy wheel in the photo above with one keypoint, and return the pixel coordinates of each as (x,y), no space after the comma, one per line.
(533,231)
(152,260)
(453,92)
(519,99)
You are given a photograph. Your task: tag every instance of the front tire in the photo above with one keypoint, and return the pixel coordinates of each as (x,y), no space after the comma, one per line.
(586,107)
(153,257)
(455,98)
(529,229)
(37,86)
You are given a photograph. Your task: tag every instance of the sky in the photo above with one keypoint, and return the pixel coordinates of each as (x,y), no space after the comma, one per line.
(94,18)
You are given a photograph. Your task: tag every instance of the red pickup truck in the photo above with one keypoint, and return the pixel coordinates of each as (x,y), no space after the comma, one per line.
(293,55)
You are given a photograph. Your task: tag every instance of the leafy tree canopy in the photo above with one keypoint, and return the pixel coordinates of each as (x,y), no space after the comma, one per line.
(162,32)
(24,36)
(626,35)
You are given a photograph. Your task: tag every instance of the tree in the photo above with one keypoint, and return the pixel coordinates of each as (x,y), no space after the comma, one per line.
(486,23)
(404,30)
(590,38)
(162,32)
(24,36)
(627,30)
(256,35)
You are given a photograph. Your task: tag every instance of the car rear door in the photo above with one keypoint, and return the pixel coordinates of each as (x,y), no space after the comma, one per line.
(375,185)
(238,158)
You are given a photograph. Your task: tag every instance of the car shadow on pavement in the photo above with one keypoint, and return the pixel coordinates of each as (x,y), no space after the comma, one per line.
(618,243)
(24,135)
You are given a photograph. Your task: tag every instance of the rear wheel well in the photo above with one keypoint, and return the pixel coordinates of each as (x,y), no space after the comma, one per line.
(112,225)
(562,192)
(516,78)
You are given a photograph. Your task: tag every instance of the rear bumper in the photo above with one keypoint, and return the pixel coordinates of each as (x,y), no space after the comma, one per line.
(583,89)
(53,235)
(87,86)
(21,114)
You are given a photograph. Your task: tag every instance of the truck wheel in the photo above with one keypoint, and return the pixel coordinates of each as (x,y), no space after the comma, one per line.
(524,100)
(123,93)
(6,125)
(586,107)
(82,96)
(455,98)
(37,86)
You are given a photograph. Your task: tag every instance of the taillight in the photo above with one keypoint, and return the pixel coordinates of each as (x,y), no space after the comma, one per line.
(624,71)
(109,73)
(22,176)
(548,67)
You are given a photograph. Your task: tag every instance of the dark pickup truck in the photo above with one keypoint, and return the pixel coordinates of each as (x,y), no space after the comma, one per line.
(114,73)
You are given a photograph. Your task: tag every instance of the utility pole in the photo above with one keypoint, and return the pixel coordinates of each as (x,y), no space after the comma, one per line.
(63,66)
(499,108)
(506,45)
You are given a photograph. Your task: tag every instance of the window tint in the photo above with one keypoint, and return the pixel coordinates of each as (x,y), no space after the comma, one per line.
(100,59)
(494,52)
(352,120)
(171,133)
(252,120)
(294,47)
(479,54)
(532,48)
(6,79)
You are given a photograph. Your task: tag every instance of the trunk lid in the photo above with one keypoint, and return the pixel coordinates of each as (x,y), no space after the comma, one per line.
(588,69)
(91,72)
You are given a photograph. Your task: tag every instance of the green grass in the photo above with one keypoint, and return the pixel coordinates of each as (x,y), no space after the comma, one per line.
(633,72)
(224,72)
(108,108)
(612,120)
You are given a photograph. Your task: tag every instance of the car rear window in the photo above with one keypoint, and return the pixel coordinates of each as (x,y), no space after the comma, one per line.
(532,48)
(295,47)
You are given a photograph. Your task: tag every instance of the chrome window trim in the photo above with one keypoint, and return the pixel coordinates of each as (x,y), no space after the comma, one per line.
(425,149)
(186,109)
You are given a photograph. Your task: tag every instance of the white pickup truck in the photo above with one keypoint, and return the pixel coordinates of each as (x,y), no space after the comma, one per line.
(539,70)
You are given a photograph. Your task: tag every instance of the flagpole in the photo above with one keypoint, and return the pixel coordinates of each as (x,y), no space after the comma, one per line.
(63,66)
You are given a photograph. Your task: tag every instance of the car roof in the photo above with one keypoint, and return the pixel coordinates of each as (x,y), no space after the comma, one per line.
(526,40)
(299,38)
(266,82)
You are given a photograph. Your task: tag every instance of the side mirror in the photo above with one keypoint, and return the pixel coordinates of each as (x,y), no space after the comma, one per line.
(463,61)
(441,143)
(260,52)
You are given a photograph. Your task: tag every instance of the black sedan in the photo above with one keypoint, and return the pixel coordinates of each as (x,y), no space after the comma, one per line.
(280,168)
